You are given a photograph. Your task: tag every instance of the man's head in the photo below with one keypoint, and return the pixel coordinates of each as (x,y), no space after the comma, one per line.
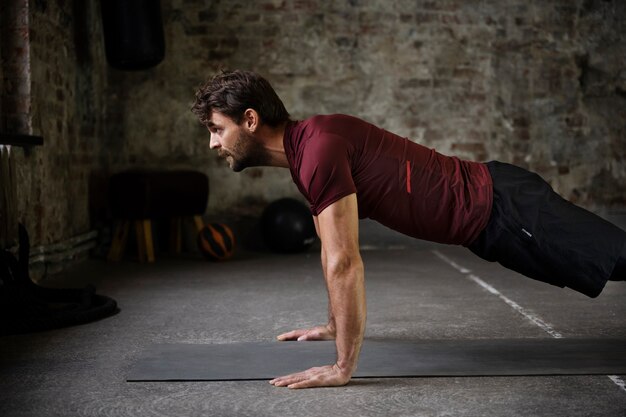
(232,92)
(234,105)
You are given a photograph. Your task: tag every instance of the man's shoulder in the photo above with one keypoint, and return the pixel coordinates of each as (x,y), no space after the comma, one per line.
(324,139)
(333,126)
(332,120)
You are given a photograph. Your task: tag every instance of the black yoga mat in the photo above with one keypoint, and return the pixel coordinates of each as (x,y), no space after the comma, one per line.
(388,358)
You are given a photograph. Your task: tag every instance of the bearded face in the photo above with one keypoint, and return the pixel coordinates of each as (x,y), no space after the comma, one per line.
(245,152)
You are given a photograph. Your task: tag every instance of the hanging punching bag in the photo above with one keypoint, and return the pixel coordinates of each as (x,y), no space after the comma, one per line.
(133,33)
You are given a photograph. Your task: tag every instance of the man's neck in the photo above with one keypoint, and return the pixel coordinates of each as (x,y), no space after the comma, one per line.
(273,138)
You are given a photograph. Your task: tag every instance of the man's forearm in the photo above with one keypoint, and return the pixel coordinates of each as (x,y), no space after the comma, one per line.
(337,226)
(346,291)
(331,319)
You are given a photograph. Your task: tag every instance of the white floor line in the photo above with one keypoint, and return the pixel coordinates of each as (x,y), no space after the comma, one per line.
(618,381)
(451,262)
(543,325)
(533,318)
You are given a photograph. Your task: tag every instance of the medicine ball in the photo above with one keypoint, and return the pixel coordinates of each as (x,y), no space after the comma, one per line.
(216,242)
(287,226)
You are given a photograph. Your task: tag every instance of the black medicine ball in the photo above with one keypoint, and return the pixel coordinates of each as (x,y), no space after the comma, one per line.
(287,226)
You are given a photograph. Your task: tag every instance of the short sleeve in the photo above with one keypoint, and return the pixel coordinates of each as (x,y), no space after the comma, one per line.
(325,172)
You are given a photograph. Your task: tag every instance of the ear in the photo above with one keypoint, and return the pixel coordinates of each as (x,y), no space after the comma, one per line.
(251,120)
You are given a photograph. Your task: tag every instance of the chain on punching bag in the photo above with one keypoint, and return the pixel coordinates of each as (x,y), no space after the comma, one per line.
(133,33)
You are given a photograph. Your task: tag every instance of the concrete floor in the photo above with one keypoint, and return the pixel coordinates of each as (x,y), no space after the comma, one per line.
(415,290)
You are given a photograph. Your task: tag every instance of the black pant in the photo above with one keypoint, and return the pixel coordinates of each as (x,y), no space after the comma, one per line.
(533,231)
(619,272)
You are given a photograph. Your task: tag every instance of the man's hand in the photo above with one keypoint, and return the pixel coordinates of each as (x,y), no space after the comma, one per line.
(315,333)
(323,376)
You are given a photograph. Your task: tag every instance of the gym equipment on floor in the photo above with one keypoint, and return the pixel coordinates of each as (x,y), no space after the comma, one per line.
(287,226)
(27,307)
(140,196)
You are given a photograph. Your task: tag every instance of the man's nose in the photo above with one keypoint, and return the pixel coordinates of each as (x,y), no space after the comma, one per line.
(213,143)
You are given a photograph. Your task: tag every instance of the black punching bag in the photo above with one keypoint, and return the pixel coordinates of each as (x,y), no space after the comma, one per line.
(133,33)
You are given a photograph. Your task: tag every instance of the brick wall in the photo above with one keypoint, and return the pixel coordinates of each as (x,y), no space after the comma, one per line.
(15,103)
(60,90)
(538,83)
(15,55)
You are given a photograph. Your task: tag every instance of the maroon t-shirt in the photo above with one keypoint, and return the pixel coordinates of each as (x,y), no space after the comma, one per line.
(401,184)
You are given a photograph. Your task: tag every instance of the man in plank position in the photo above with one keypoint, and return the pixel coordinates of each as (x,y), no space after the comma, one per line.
(349,169)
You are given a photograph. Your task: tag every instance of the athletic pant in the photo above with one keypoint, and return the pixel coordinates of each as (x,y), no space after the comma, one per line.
(535,232)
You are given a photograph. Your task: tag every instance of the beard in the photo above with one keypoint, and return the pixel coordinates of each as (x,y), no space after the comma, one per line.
(247,152)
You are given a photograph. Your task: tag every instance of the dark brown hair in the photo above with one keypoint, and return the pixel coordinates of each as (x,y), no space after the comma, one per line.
(232,92)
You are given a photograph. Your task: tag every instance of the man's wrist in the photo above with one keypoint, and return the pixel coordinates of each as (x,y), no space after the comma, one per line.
(346,368)
(331,327)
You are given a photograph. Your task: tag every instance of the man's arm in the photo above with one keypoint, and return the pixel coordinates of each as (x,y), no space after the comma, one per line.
(324,332)
(341,261)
